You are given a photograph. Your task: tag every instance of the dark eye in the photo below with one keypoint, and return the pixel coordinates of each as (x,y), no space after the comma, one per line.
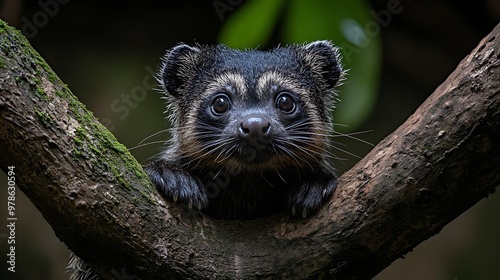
(285,103)
(220,104)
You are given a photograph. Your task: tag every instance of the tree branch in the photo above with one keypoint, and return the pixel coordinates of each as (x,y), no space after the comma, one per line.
(99,201)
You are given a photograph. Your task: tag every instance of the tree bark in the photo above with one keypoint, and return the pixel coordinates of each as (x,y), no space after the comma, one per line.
(99,201)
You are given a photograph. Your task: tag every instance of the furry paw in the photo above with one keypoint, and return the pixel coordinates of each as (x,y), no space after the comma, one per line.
(308,198)
(177,185)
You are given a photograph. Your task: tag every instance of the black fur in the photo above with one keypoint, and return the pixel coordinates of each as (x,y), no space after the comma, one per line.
(245,146)
(233,178)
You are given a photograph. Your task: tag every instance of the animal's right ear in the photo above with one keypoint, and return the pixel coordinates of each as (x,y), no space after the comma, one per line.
(179,65)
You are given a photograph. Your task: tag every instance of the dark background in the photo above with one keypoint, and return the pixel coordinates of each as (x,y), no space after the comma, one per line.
(108,50)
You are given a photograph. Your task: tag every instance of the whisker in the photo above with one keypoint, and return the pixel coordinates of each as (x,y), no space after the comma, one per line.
(142,144)
(265,179)
(151,158)
(209,149)
(305,137)
(153,135)
(146,144)
(306,151)
(292,155)
(346,152)
(223,151)
(281,177)
(351,136)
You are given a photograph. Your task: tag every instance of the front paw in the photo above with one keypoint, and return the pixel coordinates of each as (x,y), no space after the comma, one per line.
(308,197)
(177,185)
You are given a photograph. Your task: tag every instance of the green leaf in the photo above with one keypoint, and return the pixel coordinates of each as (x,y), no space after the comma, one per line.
(345,24)
(348,24)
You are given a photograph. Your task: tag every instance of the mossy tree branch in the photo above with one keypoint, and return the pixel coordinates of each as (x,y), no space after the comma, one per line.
(98,200)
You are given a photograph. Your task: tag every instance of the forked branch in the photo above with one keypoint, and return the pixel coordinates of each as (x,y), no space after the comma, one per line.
(440,162)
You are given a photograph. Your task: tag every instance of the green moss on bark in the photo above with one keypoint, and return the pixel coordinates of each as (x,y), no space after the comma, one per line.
(44,118)
(93,143)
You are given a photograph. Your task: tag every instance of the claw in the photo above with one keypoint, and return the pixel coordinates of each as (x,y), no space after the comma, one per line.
(304,213)
(190,204)
(198,205)
(176,196)
(293,211)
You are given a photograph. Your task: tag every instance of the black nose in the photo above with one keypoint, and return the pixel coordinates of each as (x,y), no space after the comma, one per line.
(255,129)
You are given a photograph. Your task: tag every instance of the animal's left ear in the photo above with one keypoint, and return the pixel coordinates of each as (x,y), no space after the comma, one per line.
(323,58)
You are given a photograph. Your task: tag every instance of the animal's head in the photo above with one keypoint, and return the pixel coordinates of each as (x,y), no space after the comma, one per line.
(251,109)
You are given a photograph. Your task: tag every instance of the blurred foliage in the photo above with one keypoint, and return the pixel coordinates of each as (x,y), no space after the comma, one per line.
(348,24)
